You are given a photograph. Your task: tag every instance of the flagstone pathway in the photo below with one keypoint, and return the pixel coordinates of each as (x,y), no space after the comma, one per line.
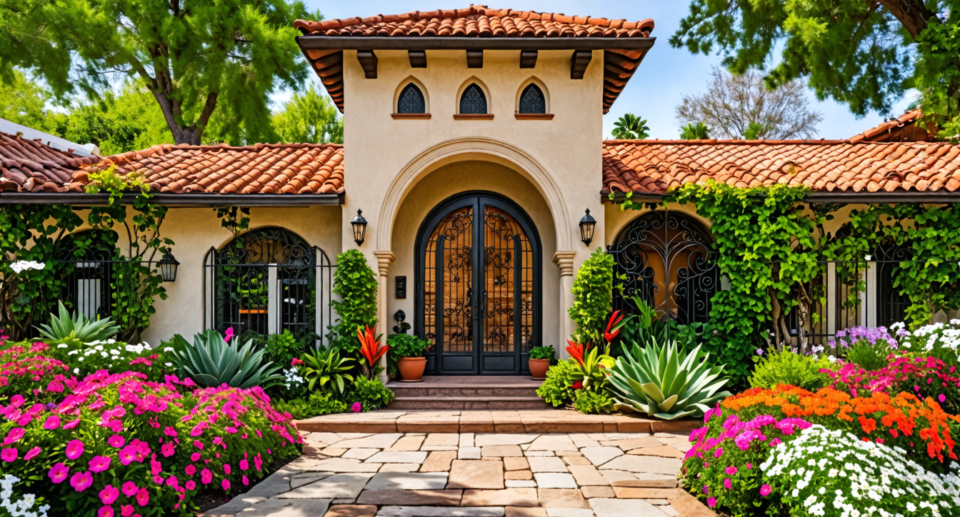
(476,475)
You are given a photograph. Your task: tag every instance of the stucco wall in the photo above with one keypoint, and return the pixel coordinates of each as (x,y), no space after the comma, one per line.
(469,176)
(195,230)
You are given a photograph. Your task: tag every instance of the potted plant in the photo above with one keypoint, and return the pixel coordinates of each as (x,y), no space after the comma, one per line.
(540,357)
(409,350)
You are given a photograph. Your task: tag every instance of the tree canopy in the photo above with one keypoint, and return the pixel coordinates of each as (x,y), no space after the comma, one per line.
(194,58)
(630,127)
(864,54)
(742,107)
(309,117)
(24,102)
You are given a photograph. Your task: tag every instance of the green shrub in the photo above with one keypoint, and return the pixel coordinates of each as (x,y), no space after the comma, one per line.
(592,402)
(592,297)
(211,362)
(556,389)
(325,365)
(786,367)
(870,356)
(370,393)
(405,345)
(283,348)
(319,403)
(76,330)
(541,352)
(356,286)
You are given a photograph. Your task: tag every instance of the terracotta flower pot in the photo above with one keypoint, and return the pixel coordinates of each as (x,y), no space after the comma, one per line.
(538,368)
(411,368)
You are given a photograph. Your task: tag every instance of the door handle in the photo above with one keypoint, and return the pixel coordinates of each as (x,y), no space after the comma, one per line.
(483,310)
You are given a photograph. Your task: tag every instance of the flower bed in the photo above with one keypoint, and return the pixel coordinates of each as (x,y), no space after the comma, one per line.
(119,444)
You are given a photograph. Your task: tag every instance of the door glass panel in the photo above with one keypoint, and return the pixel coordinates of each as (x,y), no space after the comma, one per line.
(448,278)
(507,297)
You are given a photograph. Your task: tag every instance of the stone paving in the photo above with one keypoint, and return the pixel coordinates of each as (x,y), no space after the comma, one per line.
(476,475)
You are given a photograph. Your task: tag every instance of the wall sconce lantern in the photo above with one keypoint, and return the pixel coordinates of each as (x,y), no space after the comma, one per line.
(168,267)
(359,227)
(587,226)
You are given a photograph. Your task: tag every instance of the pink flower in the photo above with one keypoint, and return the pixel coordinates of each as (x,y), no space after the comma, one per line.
(105,511)
(126,510)
(190,470)
(198,444)
(711,502)
(190,485)
(8,455)
(775,442)
(731,470)
(127,455)
(167,449)
(717,453)
(16,401)
(942,398)
(765,490)
(226,468)
(228,335)
(109,494)
(32,453)
(245,481)
(143,497)
(169,431)
(58,473)
(129,489)
(81,481)
(173,482)
(225,484)
(14,435)
(206,476)
(99,464)
(71,424)
(749,466)
(53,422)
(116,441)
(195,456)
(244,464)
(74,449)
(727,484)
(356,407)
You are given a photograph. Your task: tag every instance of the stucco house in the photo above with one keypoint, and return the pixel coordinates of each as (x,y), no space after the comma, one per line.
(474,150)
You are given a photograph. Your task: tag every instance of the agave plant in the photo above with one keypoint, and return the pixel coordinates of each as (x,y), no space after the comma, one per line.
(323,366)
(76,330)
(666,382)
(210,361)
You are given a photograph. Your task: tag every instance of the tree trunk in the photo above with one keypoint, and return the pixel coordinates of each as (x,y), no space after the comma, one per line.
(912,14)
(190,135)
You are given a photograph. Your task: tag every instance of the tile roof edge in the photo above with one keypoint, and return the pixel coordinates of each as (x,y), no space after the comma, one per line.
(758,142)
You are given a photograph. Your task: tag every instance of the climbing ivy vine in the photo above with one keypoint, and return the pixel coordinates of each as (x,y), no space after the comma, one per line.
(771,244)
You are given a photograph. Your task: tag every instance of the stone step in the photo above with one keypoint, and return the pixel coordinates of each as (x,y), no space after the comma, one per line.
(469,402)
(415,390)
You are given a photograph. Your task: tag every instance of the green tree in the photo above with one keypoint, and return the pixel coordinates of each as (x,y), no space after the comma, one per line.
(119,122)
(630,127)
(864,54)
(24,102)
(695,131)
(309,117)
(193,57)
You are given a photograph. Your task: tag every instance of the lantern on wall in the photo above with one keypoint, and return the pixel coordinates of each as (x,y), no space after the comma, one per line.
(587,226)
(359,227)
(168,267)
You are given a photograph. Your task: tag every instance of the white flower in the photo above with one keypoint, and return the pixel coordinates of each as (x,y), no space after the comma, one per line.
(23,265)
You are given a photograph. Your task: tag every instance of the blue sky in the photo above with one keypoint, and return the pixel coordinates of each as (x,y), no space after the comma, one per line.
(664,76)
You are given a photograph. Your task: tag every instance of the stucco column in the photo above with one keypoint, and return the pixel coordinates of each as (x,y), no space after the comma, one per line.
(384,260)
(565,260)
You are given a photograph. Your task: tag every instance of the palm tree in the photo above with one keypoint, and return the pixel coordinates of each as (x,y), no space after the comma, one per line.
(630,127)
(695,131)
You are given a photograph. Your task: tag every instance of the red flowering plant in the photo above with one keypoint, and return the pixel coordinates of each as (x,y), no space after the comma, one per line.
(925,377)
(118,444)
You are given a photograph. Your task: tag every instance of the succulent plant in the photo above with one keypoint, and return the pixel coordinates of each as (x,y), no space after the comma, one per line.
(326,365)
(666,382)
(76,330)
(211,362)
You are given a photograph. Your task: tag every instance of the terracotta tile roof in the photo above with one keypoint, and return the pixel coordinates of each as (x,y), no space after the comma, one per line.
(479,22)
(905,128)
(220,169)
(31,166)
(654,166)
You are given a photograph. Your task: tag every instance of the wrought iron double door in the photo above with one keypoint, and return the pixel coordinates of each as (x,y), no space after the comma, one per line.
(479,287)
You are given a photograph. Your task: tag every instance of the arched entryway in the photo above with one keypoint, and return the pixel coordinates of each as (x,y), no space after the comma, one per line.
(478,286)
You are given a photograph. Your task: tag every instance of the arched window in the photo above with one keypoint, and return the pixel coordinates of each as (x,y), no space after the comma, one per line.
(532,100)
(473,101)
(87,259)
(265,281)
(666,259)
(411,100)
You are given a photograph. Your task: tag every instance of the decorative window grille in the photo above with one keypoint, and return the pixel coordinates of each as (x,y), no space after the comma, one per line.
(532,100)
(473,101)
(411,100)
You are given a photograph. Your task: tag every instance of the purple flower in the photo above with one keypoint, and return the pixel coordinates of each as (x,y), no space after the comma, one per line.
(759,351)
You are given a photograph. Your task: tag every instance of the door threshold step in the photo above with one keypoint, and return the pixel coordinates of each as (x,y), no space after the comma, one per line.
(468,403)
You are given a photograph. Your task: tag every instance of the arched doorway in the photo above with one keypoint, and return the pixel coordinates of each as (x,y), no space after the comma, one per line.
(478,286)
(666,259)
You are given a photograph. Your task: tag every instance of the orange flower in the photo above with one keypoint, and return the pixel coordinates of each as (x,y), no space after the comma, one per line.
(613,326)
(576,351)
(369,346)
